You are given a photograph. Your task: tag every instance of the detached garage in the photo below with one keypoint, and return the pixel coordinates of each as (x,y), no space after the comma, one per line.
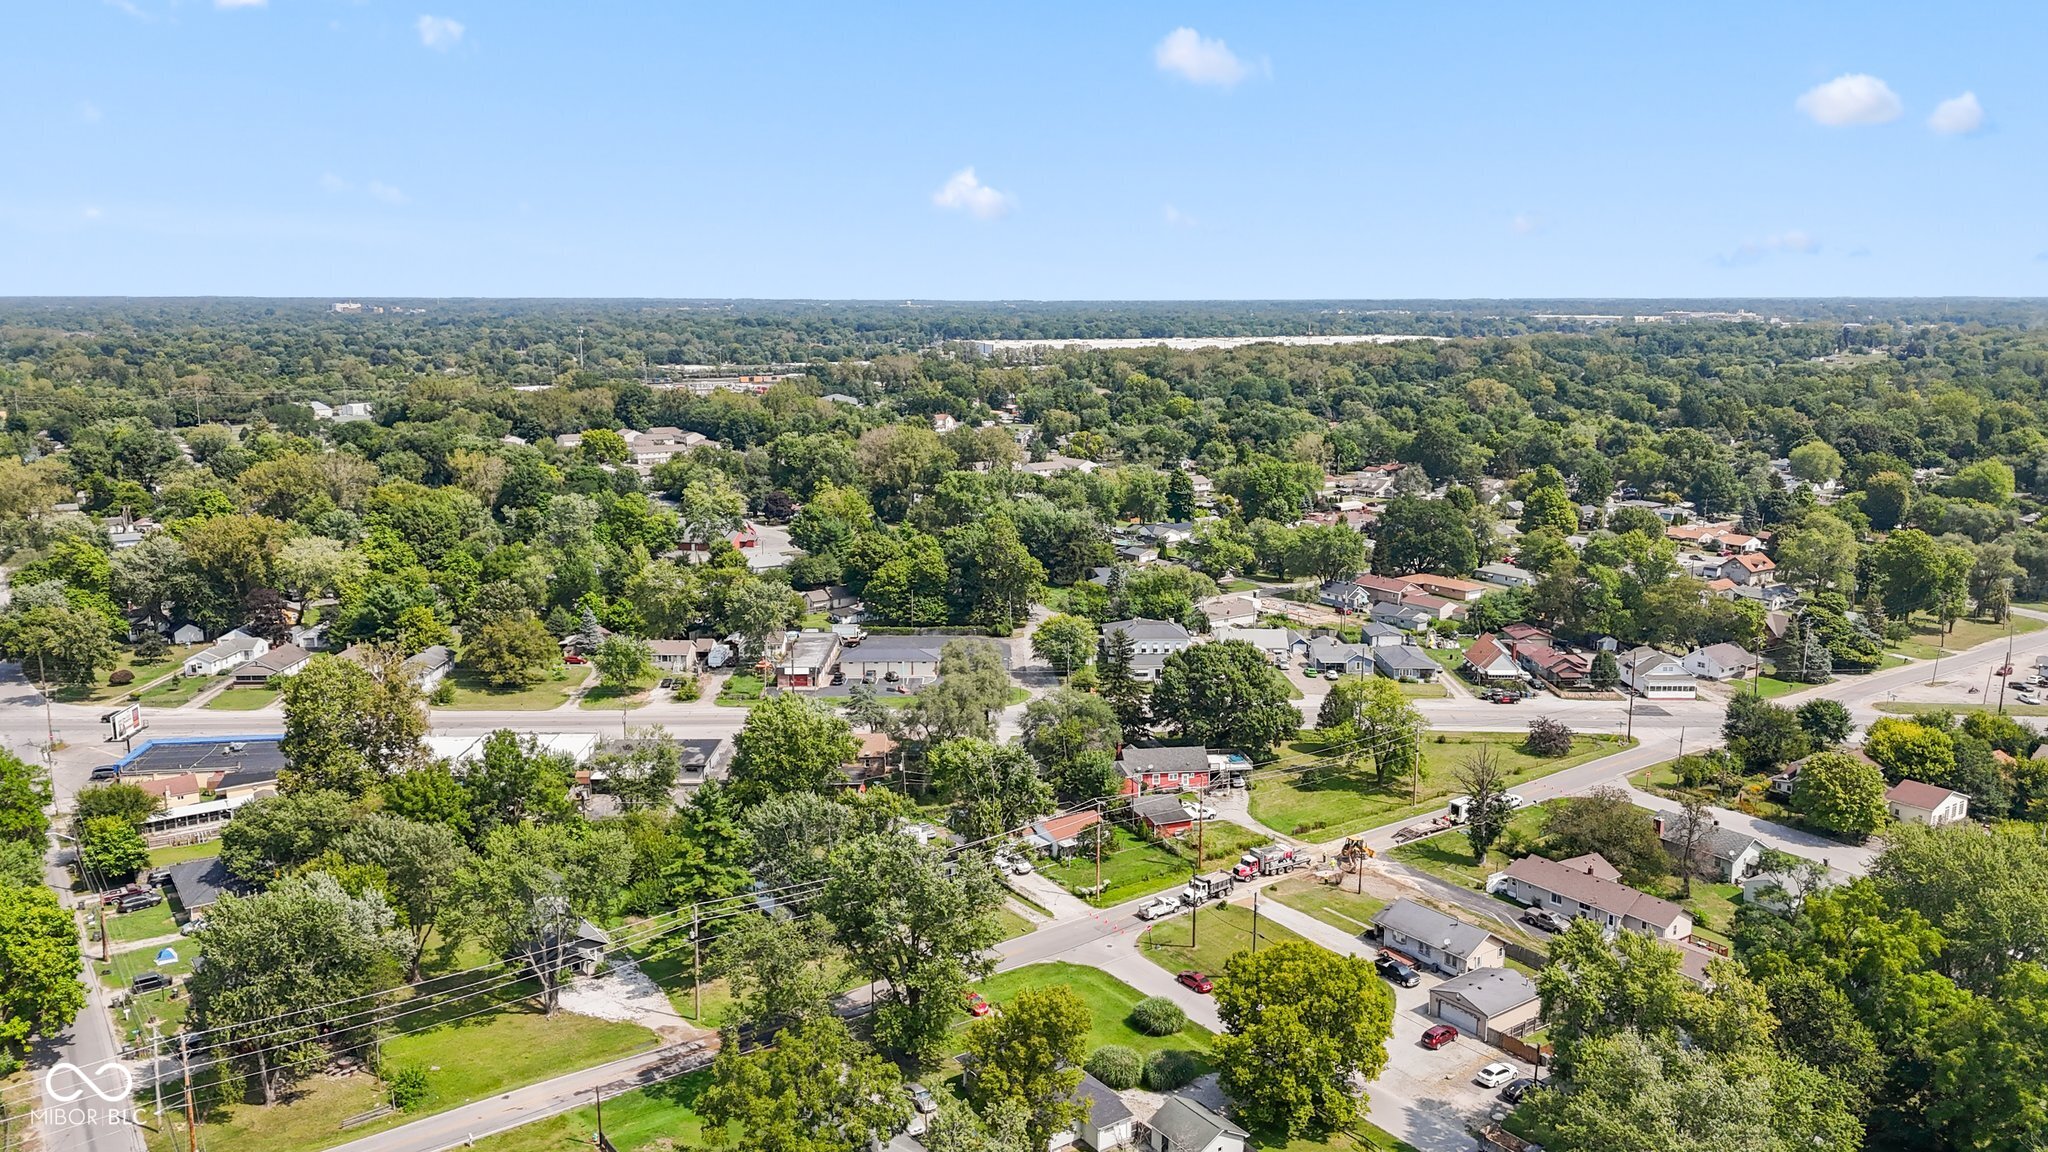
(1487,1003)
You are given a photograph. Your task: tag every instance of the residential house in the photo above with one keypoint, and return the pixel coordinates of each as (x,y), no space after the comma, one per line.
(659,445)
(1162,816)
(1152,641)
(429,666)
(1273,643)
(876,755)
(1182,1125)
(1489,661)
(912,661)
(1449,587)
(1488,1003)
(832,599)
(241,784)
(1748,568)
(1719,854)
(1436,941)
(1409,617)
(311,637)
(1405,662)
(1109,1124)
(284,660)
(199,883)
(1328,654)
(187,633)
(673,657)
(1236,611)
(1343,595)
(1506,575)
(746,538)
(1722,661)
(1519,633)
(1387,589)
(175,791)
(1183,769)
(1379,633)
(1554,665)
(1588,887)
(1655,675)
(229,653)
(1055,836)
(807,660)
(1911,802)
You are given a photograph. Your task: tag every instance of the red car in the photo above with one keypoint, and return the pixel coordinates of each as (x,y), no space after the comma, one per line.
(1195,980)
(976,1006)
(572,658)
(1439,1036)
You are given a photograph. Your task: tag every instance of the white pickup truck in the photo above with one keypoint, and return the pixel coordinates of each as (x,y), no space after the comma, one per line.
(1158,909)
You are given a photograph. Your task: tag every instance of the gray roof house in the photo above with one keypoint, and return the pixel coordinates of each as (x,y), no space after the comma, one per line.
(1438,941)
(1327,652)
(199,883)
(1378,633)
(430,666)
(1725,856)
(1152,641)
(1110,1123)
(1405,662)
(1181,1125)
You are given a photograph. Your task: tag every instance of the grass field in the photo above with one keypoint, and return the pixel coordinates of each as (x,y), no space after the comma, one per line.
(172,693)
(651,1119)
(1333,904)
(1365,1138)
(1448,855)
(145,671)
(1014,923)
(1770,687)
(1420,691)
(1224,930)
(599,698)
(1109,1001)
(146,924)
(1928,642)
(247,699)
(740,690)
(471,694)
(1333,801)
(1911,708)
(178,853)
(166,1007)
(1712,905)
(1133,867)
(116,973)
(477,1057)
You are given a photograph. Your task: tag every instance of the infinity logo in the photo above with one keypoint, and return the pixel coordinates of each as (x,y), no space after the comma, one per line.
(122,1078)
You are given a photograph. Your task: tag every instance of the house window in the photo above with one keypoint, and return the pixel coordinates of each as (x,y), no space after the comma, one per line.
(1556,899)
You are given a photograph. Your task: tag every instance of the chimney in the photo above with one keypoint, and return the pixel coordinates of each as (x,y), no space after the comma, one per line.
(1658,823)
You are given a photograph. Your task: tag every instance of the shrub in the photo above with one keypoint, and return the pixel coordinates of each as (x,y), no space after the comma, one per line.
(1170,1070)
(1118,1067)
(444,693)
(151,646)
(121,676)
(688,688)
(1158,1016)
(1548,737)
(408,1086)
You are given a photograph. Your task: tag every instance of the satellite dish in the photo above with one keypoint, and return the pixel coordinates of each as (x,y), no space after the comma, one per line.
(719,656)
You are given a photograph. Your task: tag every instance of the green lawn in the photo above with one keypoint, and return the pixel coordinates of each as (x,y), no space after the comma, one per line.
(175,691)
(467,1060)
(1770,687)
(1133,867)
(601,698)
(1912,708)
(145,672)
(116,973)
(1448,855)
(1014,923)
(146,924)
(740,690)
(471,694)
(1928,642)
(652,1119)
(179,853)
(1367,1138)
(1334,904)
(1332,801)
(243,699)
(1712,905)
(1223,931)
(166,1007)
(1109,1001)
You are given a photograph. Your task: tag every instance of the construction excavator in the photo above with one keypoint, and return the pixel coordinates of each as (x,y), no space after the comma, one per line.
(1353,855)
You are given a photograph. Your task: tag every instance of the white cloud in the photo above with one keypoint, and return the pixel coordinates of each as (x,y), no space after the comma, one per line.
(965,192)
(1198,59)
(90,212)
(1957,115)
(439,32)
(379,190)
(1852,99)
(1793,242)
(1525,223)
(332,183)
(239,3)
(1175,218)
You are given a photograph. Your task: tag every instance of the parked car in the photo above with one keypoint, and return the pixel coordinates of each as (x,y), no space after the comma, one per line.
(148,982)
(1439,1036)
(2028,696)
(159,876)
(1198,811)
(106,772)
(1505,697)
(1397,972)
(1495,1074)
(114,896)
(1334,674)
(1545,919)
(1516,1089)
(921,1098)
(1195,980)
(976,1006)
(138,901)
(573,658)
(1159,909)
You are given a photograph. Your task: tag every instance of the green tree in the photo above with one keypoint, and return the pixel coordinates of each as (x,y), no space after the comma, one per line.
(1029,1057)
(1327,551)
(1062,726)
(1826,722)
(817,1089)
(780,971)
(1909,750)
(1606,821)
(514,781)
(510,652)
(622,661)
(1065,642)
(273,835)
(1819,553)
(994,788)
(1366,718)
(788,744)
(530,888)
(1226,694)
(39,965)
(1116,683)
(603,446)
(288,969)
(110,847)
(347,725)
(1552,508)
(1301,1024)
(1606,670)
(917,922)
(1180,496)
(116,798)
(24,793)
(422,866)
(1816,462)
(1886,498)
(1485,782)
(56,643)
(1416,535)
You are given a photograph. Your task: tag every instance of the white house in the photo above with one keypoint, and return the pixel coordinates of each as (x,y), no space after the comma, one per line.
(1434,940)
(1110,1123)
(188,633)
(673,657)
(1911,802)
(1506,575)
(1235,611)
(1181,1125)
(429,666)
(286,660)
(1273,643)
(1152,641)
(1656,675)
(1722,661)
(231,652)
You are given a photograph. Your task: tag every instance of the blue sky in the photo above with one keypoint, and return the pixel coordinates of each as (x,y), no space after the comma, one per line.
(1117,151)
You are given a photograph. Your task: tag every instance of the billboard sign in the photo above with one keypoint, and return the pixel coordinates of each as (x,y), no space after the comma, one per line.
(125,721)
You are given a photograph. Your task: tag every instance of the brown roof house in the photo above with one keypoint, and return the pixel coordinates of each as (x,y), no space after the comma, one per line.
(1911,802)
(1588,887)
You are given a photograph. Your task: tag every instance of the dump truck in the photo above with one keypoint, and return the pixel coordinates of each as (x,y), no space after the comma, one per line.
(1201,889)
(1268,860)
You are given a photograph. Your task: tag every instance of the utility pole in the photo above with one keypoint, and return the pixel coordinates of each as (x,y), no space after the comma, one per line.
(191,1118)
(1194,868)
(598,1093)
(697,962)
(156,1065)
(1631,714)
(1681,740)
(1101,819)
(1255,921)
